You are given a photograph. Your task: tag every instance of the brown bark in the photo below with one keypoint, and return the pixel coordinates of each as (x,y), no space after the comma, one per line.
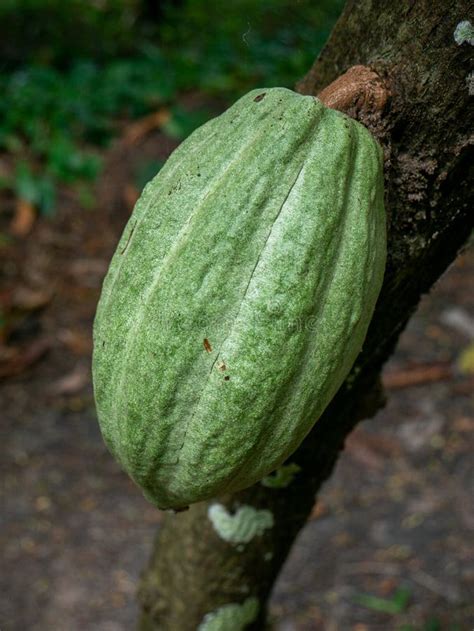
(425,130)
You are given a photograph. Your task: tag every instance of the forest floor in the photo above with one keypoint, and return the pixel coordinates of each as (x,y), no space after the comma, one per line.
(389,544)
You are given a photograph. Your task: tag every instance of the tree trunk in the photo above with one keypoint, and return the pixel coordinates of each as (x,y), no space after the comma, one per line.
(197,576)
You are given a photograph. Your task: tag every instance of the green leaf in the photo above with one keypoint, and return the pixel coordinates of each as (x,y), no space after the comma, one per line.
(86,195)
(39,190)
(47,190)
(6,182)
(397,604)
(145,172)
(26,184)
(183,122)
(68,163)
(12,143)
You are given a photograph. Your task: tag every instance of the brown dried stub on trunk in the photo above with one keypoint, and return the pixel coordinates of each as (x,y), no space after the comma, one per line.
(359,91)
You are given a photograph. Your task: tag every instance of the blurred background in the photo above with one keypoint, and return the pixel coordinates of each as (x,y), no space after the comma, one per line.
(94,97)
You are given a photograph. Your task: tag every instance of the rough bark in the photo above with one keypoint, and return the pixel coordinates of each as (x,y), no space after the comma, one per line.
(425,130)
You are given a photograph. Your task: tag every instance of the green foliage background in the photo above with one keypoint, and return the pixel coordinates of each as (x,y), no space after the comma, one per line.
(73,71)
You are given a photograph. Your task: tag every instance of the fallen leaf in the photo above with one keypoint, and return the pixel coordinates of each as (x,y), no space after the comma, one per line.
(17,360)
(464,424)
(17,304)
(466,387)
(372,451)
(72,383)
(387,585)
(130,196)
(417,375)
(23,219)
(27,299)
(87,268)
(319,510)
(141,128)
(466,361)
(79,342)
(364,455)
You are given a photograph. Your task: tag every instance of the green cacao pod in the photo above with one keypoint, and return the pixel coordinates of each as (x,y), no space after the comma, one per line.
(239,296)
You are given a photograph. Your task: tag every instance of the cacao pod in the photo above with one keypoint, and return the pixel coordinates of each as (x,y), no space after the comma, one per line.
(239,296)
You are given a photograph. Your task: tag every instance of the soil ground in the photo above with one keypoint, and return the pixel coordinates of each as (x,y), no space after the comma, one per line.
(389,544)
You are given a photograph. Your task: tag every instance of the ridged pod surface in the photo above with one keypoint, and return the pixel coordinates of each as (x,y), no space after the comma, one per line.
(239,296)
